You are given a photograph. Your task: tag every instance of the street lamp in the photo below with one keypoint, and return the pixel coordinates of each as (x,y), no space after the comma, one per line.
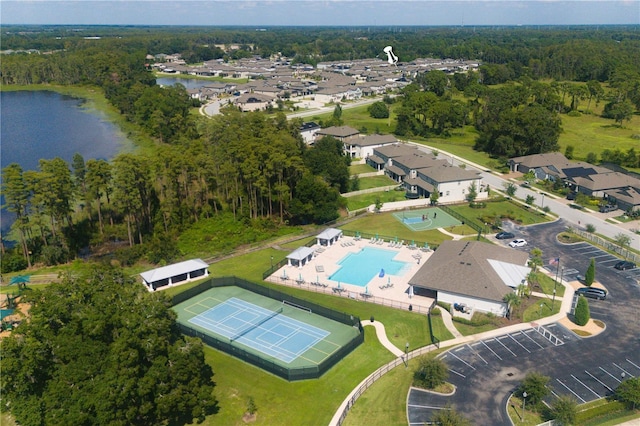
(553,302)
(540,313)
(406,355)
(271,263)
(524,399)
(542,201)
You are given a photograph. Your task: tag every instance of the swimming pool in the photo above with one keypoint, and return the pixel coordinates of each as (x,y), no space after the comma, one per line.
(360,268)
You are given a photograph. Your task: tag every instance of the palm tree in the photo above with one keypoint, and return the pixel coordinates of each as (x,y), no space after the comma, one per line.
(512,300)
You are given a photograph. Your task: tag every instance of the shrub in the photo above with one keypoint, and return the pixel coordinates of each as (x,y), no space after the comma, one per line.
(535,385)
(436,312)
(12,262)
(582,314)
(628,392)
(564,410)
(590,275)
(430,373)
(444,305)
(591,228)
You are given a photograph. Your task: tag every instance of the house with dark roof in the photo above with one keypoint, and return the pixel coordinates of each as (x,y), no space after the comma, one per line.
(473,273)
(253,101)
(362,146)
(339,132)
(627,199)
(421,173)
(308,132)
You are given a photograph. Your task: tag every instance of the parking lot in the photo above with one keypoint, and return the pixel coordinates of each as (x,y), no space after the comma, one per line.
(594,382)
(602,259)
(463,360)
(486,372)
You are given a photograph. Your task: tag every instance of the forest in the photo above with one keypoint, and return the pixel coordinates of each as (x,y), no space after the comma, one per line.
(254,167)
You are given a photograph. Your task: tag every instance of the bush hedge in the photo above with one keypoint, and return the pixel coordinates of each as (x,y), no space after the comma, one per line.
(582,313)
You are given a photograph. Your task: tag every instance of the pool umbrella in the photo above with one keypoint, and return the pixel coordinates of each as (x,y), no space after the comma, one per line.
(20,280)
(284,273)
(376,236)
(339,284)
(366,290)
(410,291)
(317,279)
(413,242)
(388,280)
(396,238)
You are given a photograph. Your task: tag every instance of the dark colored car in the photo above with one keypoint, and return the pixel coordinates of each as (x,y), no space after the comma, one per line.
(608,208)
(571,196)
(623,265)
(593,293)
(504,235)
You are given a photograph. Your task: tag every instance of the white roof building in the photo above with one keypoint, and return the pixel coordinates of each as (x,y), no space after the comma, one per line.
(170,275)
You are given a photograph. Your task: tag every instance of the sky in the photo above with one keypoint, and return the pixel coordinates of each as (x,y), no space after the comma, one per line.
(320,12)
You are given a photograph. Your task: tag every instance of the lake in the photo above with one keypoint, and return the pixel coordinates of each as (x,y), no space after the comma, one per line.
(189,83)
(45,124)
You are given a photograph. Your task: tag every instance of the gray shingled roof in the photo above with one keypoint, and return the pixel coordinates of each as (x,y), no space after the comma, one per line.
(338,131)
(396,150)
(371,140)
(472,268)
(446,173)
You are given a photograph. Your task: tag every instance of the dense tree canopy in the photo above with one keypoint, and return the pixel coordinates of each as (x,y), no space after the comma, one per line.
(102,350)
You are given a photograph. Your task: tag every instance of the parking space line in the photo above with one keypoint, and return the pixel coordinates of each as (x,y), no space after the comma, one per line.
(513,338)
(459,374)
(426,406)
(579,381)
(614,377)
(632,363)
(598,380)
(601,255)
(625,371)
(612,260)
(477,354)
(512,353)
(569,389)
(464,362)
(498,356)
(553,393)
(526,334)
(589,250)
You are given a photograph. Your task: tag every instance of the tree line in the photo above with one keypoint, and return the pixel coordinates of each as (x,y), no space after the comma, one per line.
(247,165)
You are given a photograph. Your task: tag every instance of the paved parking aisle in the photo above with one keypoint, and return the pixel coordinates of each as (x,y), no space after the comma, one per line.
(603,259)
(488,354)
(597,381)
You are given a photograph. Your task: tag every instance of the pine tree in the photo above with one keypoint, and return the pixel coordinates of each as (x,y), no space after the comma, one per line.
(582,314)
(590,275)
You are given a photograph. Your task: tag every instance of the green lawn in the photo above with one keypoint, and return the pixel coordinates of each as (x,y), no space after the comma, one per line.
(540,308)
(376,182)
(469,330)
(365,200)
(388,226)
(359,118)
(547,284)
(499,209)
(236,381)
(356,169)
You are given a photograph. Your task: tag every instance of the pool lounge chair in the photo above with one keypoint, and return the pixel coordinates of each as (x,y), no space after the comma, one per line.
(319,268)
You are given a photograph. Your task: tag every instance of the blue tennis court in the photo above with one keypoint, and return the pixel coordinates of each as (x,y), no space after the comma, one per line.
(264,330)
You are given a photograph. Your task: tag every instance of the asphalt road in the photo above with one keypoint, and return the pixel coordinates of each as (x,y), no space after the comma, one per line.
(485,373)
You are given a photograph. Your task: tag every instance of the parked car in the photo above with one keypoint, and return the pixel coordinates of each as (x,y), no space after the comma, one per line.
(592,292)
(518,243)
(525,184)
(571,196)
(623,265)
(504,235)
(608,208)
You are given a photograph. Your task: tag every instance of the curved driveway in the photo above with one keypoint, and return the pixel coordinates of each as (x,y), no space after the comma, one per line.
(584,368)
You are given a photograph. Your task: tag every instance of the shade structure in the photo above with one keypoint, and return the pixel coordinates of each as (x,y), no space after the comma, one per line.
(20,279)
(410,291)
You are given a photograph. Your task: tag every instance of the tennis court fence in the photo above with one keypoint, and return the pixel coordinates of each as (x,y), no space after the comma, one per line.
(290,374)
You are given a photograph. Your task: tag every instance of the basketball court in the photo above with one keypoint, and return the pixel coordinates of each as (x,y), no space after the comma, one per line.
(425,219)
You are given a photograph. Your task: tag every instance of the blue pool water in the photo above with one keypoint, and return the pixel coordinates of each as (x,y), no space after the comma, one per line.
(360,268)
(5,313)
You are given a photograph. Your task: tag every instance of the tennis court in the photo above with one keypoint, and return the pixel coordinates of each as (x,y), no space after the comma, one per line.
(425,219)
(270,332)
(280,332)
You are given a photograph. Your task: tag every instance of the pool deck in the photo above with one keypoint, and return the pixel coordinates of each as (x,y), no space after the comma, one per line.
(314,275)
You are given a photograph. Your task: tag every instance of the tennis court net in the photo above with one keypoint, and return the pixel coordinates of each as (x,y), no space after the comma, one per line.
(256,325)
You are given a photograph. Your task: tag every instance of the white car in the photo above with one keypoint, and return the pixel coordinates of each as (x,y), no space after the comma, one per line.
(518,243)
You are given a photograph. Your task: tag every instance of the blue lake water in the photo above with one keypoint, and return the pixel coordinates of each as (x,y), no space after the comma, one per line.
(189,83)
(45,124)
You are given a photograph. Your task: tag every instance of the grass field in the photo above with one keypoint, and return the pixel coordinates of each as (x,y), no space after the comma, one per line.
(499,209)
(365,200)
(376,182)
(356,169)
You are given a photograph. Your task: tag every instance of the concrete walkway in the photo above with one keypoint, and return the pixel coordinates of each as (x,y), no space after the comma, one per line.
(382,337)
(447,319)
(455,237)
